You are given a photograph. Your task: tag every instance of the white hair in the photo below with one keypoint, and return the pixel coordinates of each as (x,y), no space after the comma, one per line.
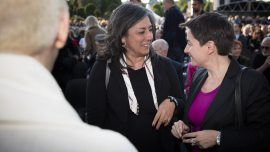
(160,45)
(91,21)
(29,26)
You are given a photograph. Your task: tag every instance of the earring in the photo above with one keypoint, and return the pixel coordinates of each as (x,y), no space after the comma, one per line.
(124,45)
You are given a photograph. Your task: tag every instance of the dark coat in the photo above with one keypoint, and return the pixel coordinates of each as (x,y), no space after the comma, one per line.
(175,36)
(221,112)
(179,70)
(114,113)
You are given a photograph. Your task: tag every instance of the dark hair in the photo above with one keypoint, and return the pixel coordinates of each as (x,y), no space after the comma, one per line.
(254,35)
(121,20)
(200,1)
(171,1)
(239,24)
(212,27)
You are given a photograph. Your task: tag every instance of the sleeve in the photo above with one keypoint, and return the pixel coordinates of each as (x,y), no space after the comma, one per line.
(96,94)
(256,137)
(174,26)
(175,87)
(88,45)
(181,79)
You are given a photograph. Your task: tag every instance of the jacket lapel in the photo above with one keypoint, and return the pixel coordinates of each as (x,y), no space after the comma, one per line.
(226,88)
(119,78)
(157,70)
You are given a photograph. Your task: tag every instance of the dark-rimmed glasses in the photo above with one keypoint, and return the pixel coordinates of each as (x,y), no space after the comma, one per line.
(265,47)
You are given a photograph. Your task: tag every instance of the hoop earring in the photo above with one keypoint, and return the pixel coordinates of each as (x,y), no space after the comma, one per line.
(124,45)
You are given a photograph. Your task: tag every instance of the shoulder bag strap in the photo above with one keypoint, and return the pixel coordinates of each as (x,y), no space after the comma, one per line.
(238,105)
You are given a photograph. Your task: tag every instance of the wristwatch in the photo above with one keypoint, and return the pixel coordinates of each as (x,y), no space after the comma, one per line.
(218,138)
(172,99)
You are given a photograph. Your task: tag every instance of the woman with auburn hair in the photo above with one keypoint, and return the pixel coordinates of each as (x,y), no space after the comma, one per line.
(142,92)
(255,42)
(236,51)
(92,29)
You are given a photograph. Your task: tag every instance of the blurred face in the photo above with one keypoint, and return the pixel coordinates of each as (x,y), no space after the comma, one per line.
(158,34)
(196,6)
(139,38)
(268,28)
(258,33)
(236,51)
(197,53)
(265,47)
(135,2)
(246,31)
(165,5)
(236,28)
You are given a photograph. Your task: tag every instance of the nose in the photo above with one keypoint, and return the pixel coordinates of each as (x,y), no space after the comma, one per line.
(186,49)
(149,36)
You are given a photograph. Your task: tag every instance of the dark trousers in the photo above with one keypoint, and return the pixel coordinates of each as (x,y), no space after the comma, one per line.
(176,54)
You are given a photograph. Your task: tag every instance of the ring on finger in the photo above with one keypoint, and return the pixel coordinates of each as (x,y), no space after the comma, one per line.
(165,121)
(193,143)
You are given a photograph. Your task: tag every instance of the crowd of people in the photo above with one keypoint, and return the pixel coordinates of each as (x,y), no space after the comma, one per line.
(133,95)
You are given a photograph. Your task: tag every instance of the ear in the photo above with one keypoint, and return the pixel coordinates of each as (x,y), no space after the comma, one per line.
(210,47)
(62,33)
(123,39)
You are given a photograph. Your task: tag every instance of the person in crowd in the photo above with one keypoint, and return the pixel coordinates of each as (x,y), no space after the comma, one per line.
(162,47)
(246,33)
(257,20)
(243,19)
(236,51)
(175,37)
(82,40)
(238,35)
(138,2)
(143,90)
(159,34)
(255,42)
(264,30)
(236,20)
(262,60)
(197,6)
(72,36)
(80,35)
(35,116)
(76,32)
(93,28)
(209,122)
(66,59)
(252,29)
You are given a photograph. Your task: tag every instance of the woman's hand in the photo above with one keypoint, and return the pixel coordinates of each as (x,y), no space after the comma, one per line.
(165,112)
(204,139)
(179,129)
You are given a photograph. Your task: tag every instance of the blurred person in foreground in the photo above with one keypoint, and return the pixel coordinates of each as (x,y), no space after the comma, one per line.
(92,29)
(34,114)
(209,122)
(236,51)
(261,61)
(143,92)
(172,34)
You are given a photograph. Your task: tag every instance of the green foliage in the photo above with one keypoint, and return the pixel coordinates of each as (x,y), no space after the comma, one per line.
(157,8)
(181,3)
(118,2)
(80,12)
(72,4)
(207,6)
(112,7)
(183,9)
(90,9)
(104,6)
(83,3)
(98,13)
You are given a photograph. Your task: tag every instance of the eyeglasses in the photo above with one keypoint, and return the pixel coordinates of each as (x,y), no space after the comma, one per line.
(265,47)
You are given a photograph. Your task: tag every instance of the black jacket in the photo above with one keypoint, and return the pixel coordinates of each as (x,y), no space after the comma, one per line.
(220,115)
(175,36)
(114,113)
